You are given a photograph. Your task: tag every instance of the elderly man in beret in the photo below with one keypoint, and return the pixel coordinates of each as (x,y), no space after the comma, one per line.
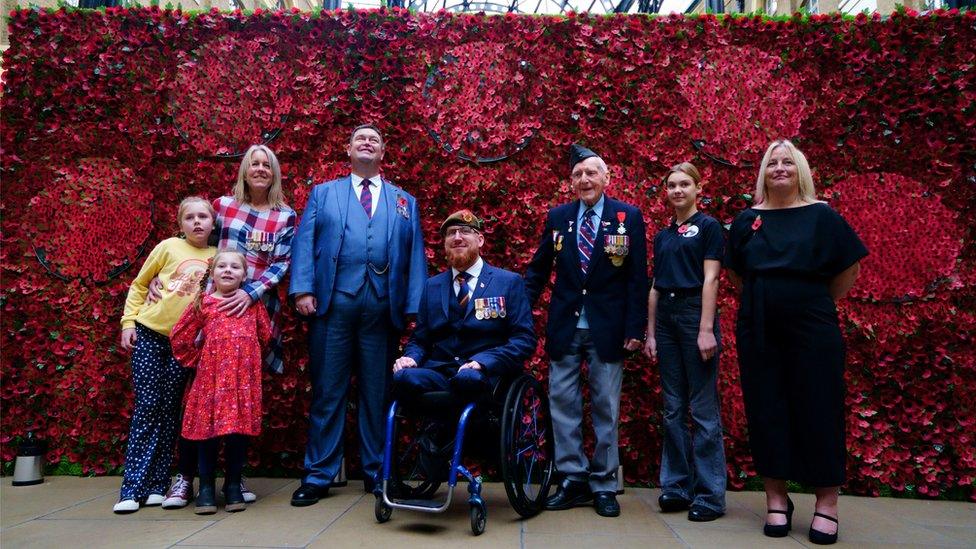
(597,314)
(474,324)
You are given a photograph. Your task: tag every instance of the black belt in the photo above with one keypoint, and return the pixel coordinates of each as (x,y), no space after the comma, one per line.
(680,292)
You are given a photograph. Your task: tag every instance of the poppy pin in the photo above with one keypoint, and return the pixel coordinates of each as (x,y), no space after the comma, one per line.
(757,223)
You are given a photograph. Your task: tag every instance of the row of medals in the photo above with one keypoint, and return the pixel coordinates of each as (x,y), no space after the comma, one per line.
(260,240)
(489,307)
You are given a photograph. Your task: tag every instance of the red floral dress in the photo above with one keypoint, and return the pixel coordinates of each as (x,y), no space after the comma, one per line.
(225,397)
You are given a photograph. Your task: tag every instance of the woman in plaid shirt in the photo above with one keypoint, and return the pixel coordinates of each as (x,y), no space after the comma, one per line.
(257,222)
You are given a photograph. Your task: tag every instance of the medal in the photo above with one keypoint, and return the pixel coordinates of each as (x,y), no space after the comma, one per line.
(621,216)
(570,226)
(478,314)
(617,260)
(559,243)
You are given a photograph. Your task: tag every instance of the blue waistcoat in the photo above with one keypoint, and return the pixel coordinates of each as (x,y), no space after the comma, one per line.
(364,254)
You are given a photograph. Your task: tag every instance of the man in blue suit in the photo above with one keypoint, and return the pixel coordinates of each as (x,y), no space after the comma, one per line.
(596,313)
(358,268)
(474,325)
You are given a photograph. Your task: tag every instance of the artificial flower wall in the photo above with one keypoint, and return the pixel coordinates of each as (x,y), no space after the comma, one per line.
(109,118)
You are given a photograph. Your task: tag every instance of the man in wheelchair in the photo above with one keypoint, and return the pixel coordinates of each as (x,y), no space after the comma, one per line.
(473,335)
(474,324)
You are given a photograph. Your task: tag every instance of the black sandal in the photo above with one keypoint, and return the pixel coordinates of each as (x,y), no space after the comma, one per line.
(780,530)
(823,538)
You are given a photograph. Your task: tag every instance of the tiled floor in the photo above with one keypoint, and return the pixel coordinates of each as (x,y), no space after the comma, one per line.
(69,512)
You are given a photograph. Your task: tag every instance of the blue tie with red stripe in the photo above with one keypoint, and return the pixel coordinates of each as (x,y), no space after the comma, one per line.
(587,233)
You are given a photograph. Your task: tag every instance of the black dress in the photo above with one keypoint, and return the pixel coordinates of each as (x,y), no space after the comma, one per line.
(791,354)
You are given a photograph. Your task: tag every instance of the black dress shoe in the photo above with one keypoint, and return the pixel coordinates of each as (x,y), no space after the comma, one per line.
(308,494)
(606,504)
(672,503)
(700,513)
(572,493)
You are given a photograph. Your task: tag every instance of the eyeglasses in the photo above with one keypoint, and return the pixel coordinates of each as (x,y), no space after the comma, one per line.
(463,229)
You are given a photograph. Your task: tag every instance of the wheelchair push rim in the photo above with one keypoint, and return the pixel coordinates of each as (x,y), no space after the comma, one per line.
(527,454)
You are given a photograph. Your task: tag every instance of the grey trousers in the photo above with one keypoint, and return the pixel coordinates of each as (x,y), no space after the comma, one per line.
(566,399)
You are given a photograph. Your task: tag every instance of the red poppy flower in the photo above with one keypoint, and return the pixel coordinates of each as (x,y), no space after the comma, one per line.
(757,223)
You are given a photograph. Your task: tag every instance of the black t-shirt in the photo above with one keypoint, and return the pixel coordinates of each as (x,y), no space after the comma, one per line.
(680,252)
(810,241)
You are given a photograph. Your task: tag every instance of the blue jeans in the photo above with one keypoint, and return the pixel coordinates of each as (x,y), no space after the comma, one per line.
(692,464)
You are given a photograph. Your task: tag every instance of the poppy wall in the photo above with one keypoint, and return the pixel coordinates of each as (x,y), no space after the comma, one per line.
(109,118)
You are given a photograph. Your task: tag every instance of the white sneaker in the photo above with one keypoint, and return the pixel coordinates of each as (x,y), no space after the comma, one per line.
(126,506)
(179,494)
(249,496)
(154,499)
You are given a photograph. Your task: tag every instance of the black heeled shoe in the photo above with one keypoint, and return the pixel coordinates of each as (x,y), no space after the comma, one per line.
(780,530)
(823,538)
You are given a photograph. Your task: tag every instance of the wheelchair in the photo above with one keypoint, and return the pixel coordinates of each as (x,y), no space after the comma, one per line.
(517,432)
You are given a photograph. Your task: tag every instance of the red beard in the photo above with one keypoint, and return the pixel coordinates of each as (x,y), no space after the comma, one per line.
(462,258)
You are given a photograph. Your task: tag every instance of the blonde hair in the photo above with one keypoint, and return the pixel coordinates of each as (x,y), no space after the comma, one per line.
(227,251)
(185,203)
(808,193)
(276,197)
(686,168)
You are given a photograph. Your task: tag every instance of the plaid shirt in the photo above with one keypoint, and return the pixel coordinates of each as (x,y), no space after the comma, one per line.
(265,240)
(263,236)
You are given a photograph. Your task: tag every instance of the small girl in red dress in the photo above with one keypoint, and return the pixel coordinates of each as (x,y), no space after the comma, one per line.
(224,402)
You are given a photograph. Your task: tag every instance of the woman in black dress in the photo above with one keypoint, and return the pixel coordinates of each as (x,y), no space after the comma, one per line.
(793,257)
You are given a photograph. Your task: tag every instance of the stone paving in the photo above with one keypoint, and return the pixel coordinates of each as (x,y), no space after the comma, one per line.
(71,512)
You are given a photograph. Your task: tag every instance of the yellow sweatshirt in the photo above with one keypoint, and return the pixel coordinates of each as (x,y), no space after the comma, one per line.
(180,266)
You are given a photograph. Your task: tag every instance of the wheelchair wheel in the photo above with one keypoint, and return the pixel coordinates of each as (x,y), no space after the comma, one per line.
(479,518)
(382,510)
(527,455)
(412,477)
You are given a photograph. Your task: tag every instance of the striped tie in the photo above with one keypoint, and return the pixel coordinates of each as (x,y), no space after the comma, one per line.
(366,199)
(464,293)
(587,233)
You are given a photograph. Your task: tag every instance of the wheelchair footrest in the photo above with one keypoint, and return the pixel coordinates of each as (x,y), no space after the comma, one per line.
(425,503)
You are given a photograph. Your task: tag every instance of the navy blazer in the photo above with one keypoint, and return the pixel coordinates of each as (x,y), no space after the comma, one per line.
(615,297)
(500,345)
(315,248)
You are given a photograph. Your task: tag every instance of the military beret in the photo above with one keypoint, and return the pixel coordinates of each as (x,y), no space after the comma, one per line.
(463,218)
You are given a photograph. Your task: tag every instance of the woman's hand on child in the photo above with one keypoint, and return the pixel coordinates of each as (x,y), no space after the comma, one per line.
(155,290)
(128,338)
(236,303)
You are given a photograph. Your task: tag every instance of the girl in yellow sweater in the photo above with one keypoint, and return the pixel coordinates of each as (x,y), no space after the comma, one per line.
(157,378)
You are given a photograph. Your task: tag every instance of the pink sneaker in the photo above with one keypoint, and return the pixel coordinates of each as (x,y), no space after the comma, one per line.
(179,494)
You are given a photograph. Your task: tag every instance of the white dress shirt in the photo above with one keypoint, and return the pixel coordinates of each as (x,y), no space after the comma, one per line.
(473,271)
(375,187)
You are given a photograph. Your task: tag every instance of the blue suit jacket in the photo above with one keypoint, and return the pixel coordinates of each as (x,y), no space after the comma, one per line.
(315,248)
(615,297)
(500,345)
